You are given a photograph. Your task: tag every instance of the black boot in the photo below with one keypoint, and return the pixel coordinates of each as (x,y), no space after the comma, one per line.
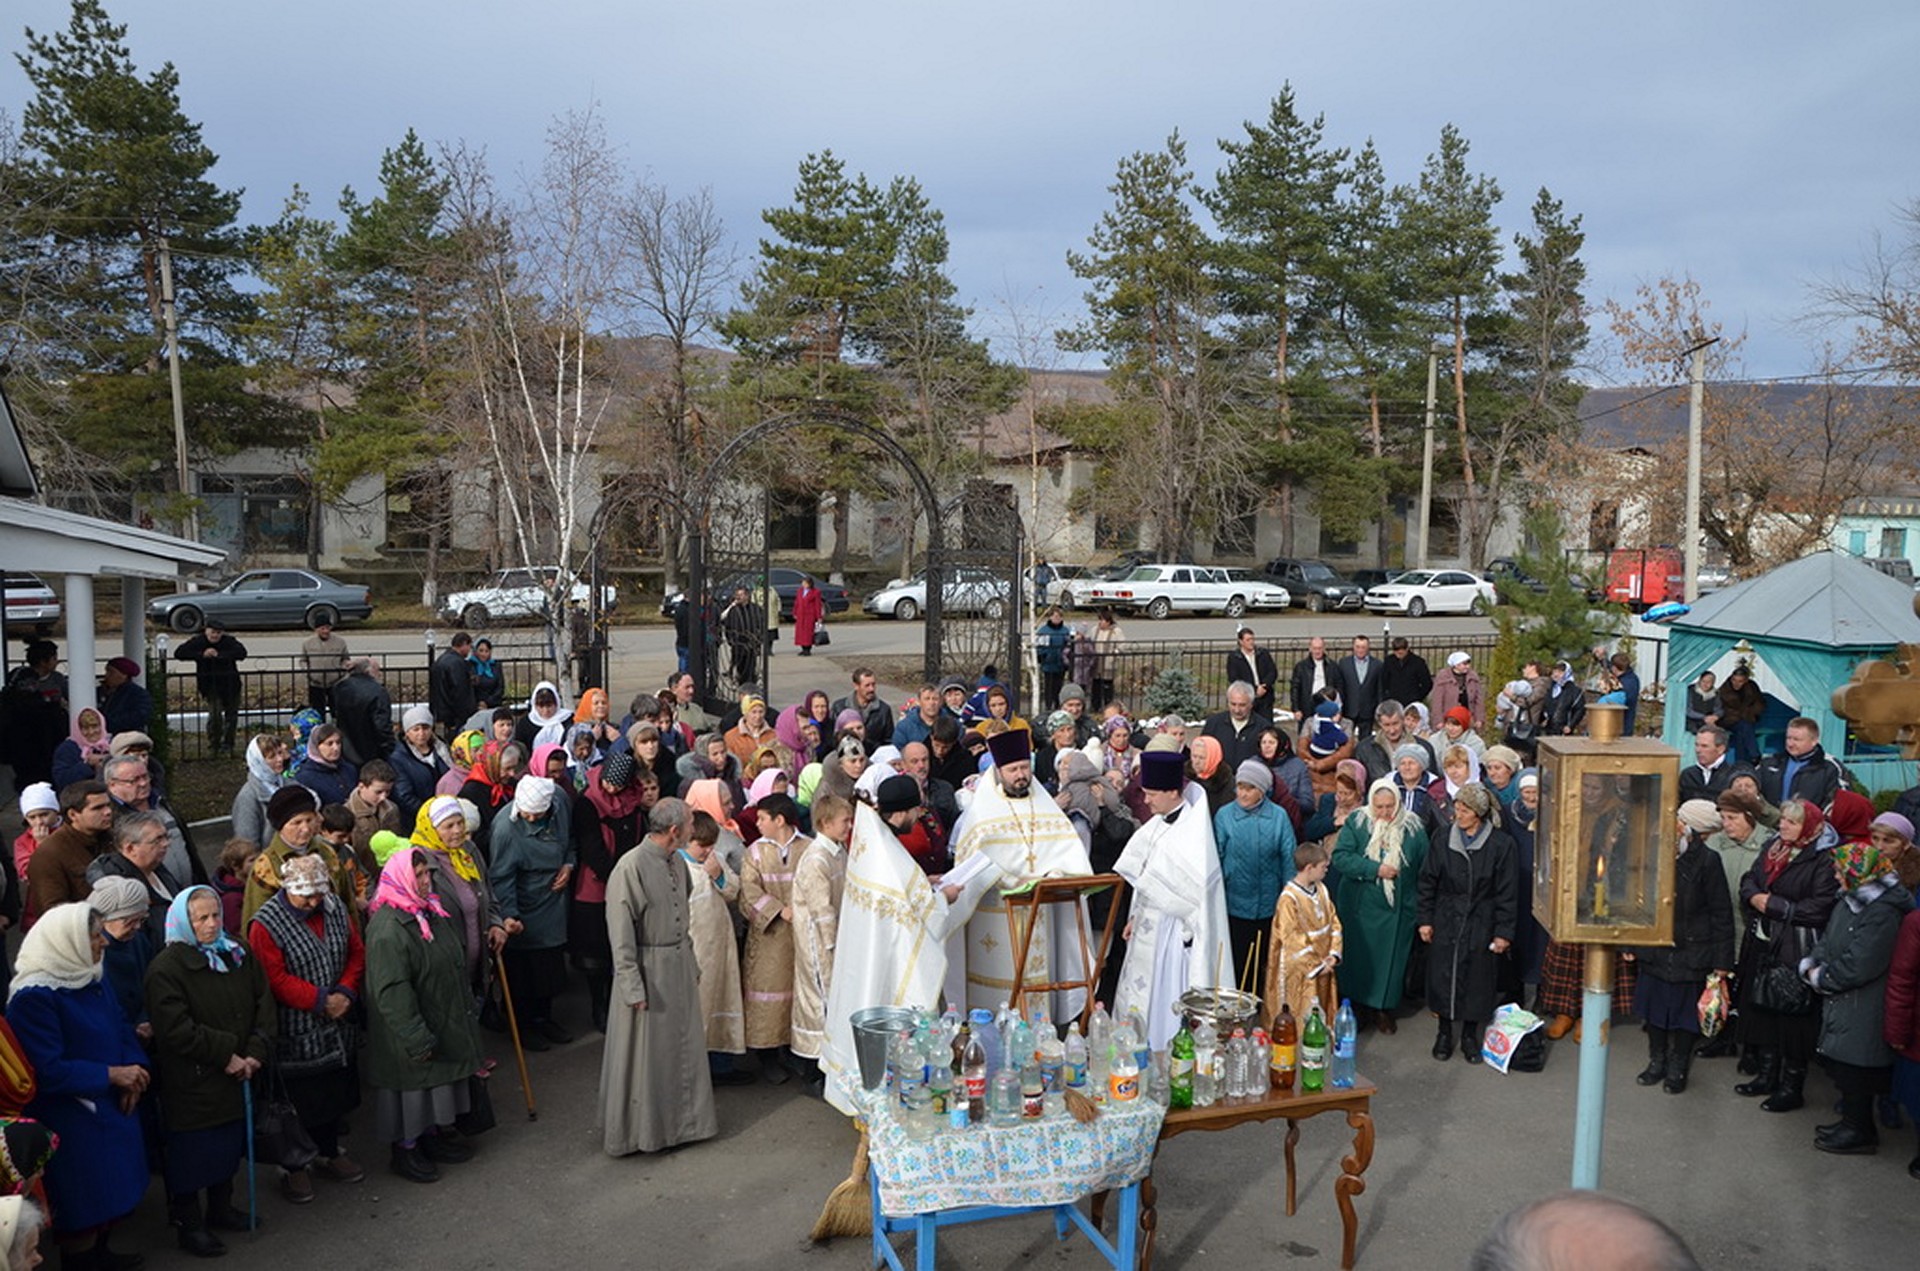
(1856,1135)
(1679,1059)
(105,1259)
(183,1211)
(1656,1070)
(1750,1060)
(1443,1042)
(1766,1074)
(1718,1047)
(1791,1093)
(1470,1042)
(222,1214)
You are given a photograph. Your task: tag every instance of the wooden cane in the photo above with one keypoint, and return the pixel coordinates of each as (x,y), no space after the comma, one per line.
(513,1030)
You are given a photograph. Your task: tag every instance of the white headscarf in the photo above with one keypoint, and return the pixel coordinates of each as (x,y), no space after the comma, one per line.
(550,726)
(58,952)
(1384,838)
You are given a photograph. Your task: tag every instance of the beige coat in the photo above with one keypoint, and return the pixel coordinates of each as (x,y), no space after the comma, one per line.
(710,923)
(766,888)
(818,882)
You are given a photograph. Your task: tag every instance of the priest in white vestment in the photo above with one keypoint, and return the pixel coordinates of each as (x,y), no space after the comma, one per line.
(1177,939)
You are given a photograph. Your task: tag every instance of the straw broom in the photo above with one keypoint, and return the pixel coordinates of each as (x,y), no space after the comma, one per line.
(849,1209)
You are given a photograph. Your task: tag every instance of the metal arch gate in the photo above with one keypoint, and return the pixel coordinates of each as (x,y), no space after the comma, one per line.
(728,545)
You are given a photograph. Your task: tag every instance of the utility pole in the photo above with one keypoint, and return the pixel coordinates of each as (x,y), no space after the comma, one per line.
(1426,455)
(179,404)
(1696,404)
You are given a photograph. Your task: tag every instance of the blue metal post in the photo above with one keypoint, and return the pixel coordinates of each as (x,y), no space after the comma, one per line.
(1590,1108)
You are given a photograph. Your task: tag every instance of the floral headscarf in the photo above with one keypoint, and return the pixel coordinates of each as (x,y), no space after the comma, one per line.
(223,952)
(397,890)
(1782,849)
(426,835)
(467,747)
(304,722)
(1858,864)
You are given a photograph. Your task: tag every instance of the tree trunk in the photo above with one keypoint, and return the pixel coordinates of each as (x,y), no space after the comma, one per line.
(1286,439)
(837,563)
(1470,502)
(1380,534)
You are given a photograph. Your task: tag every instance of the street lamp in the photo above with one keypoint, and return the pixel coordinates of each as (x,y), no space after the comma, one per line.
(1439,345)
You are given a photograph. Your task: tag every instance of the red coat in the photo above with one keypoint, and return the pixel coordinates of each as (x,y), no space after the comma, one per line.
(809,609)
(1901,1026)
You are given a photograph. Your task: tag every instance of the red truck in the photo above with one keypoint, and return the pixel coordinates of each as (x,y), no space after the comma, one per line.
(1642,578)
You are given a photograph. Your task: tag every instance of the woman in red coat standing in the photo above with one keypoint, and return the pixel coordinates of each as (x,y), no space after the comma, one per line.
(809,611)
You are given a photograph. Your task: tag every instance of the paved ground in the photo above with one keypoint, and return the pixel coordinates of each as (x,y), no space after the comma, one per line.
(1457,1146)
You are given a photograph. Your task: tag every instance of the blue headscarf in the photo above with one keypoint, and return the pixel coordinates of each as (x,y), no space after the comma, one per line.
(180,931)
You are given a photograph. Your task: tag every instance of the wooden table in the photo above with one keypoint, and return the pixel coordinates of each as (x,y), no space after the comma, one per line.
(1292,1106)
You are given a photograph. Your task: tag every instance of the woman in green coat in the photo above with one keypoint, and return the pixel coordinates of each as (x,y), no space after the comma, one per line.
(424,1041)
(1377,857)
(213,1027)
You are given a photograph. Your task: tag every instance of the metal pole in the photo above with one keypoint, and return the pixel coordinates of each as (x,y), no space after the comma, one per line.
(1696,404)
(697,616)
(1426,457)
(1590,1107)
(179,402)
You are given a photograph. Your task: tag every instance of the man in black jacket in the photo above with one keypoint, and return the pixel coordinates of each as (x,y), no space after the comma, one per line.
(1406,676)
(1360,679)
(364,712)
(450,686)
(1389,734)
(1311,674)
(1712,770)
(1256,667)
(1236,728)
(1802,770)
(216,658)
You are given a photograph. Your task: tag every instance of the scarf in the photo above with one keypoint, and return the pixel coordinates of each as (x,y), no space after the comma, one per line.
(466,748)
(1384,838)
(95,748)
(548,725)
(1860,865)
(260,771)
(786,726)
(397,891)
(483,668)
(1851,816)
(486,772)
(58,952)
(426,835)
(25,1148)
(1780,852)
(1463,843)
(223,952)
(704,796)
(304,722)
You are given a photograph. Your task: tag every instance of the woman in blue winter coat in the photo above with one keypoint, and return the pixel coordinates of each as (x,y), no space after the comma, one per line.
(1255,839)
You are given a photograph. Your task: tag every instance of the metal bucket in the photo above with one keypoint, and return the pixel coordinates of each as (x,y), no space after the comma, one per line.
(874,1028)
(1225,1009)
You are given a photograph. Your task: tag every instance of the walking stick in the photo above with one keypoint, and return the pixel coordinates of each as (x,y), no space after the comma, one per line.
(513,1030)
(253,1182)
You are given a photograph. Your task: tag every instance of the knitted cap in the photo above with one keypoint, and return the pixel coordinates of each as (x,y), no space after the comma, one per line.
(1256,774)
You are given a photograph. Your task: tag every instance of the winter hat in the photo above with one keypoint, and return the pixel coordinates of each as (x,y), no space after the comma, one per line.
(1414,751)
(1327,710)
(1700,816)
(1057,721)
(1327,737)
(1502,754)
(1898,824)
(305,875)
(416,715)
(288,802)
(532,797)
(1518,689)
(1476,797)
(1458,658)
(39,797)
(846,717)
(1529,780)
(1459,715)
(124,742)
(617,772)
(116,896)
(1256,774)
(384,844)
(1070,691)
(126,666)
(1207,755)
(1162,743)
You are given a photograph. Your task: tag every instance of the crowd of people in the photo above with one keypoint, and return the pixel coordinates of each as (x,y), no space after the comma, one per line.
(735,885)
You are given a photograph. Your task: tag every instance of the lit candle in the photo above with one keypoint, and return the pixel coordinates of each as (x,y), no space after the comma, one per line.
(1600,887)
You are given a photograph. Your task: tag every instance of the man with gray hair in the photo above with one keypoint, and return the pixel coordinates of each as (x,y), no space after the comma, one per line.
(1390,732)
(130,786)
(364,712)
(140,847)
(655,1089)
(1236,728)
(1581,1231)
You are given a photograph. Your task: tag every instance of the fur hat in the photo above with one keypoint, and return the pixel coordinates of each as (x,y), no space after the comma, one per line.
(288,802)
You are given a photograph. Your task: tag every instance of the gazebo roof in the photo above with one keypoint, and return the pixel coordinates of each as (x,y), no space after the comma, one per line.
(1827,599)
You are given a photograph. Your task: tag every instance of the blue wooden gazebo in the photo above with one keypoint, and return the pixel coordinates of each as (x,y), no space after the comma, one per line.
(1801,628)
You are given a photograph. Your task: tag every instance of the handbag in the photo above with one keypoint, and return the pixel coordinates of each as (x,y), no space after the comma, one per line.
(821,636)
(1780,987)
(478,1118)
(278,1137)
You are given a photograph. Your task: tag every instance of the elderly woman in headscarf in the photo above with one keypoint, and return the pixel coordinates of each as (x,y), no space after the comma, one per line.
(460,881)
(123,904)
(214,1025)
(546,719)
(1419,789)
(1849,968)
(424,1042)
(753,731)
(841,771)
(791,728)
(1204,759)
(1333,808)
(1666,994)
(1530,946)
(1377,857)
(1468,909)
(315,966)
(326,771)
(86,747)
(1785,901)
(709,760)
(533,860)
(89,1076)
(715,798)
(595,714)
(463,752)
(608,820)
(489,784)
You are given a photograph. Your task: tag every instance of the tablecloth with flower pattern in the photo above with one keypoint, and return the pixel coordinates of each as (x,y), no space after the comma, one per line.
(1051,1161)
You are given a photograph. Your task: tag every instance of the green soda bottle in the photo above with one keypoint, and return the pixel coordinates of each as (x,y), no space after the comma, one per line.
(1313,1052)
(1180,1069)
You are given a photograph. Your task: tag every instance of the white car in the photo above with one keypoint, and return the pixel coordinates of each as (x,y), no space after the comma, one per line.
(964,591)
(515,593)
(1158,590)
(1422,591)
(30,603)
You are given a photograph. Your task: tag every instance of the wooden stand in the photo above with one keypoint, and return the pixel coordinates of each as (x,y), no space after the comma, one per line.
(1020,928)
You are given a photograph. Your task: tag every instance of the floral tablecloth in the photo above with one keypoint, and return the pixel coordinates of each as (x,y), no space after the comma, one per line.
(1053,1161)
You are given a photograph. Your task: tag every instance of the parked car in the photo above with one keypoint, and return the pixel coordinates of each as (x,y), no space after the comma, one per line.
(1077,594)
(31,604)
(1506,574)
(515,594)
(1314,584)
(965,590)
(786,585)
(1158,590)
(266,600)
(1367,579)
(1423,591)
(1063,576)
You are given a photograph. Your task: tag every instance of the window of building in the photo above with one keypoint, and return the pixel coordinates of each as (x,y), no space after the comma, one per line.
(793,521)
(256,515)
(1332,544)
(1857,542)
(1893,541)
(1603,527)
(1443,529)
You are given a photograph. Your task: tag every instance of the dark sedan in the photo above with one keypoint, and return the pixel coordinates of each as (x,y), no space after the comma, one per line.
(265,600)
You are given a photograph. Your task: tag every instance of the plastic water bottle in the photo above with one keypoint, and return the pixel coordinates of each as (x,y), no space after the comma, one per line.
(940,1091)
(1258,1060)
(1099,1051)
(1073,1073)
(918,1115)
(1142,1039)
(1236,1081)
(974,1077)
(1040,1016)
(1346,1034)
(1180,1069)
(980,1026)
(903,1065)
(959,1102)
(1020,1048)
(1003,1103)
(1206,1051)
(1053,1063)
(1313,1052)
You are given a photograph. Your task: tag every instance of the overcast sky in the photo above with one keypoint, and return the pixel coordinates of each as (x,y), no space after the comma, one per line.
(1757,146)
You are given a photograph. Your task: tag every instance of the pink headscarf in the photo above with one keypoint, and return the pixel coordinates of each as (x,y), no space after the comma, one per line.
(763,784)
(397,891)
(787,728)
(537,766)
(97,748)
(704,796)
